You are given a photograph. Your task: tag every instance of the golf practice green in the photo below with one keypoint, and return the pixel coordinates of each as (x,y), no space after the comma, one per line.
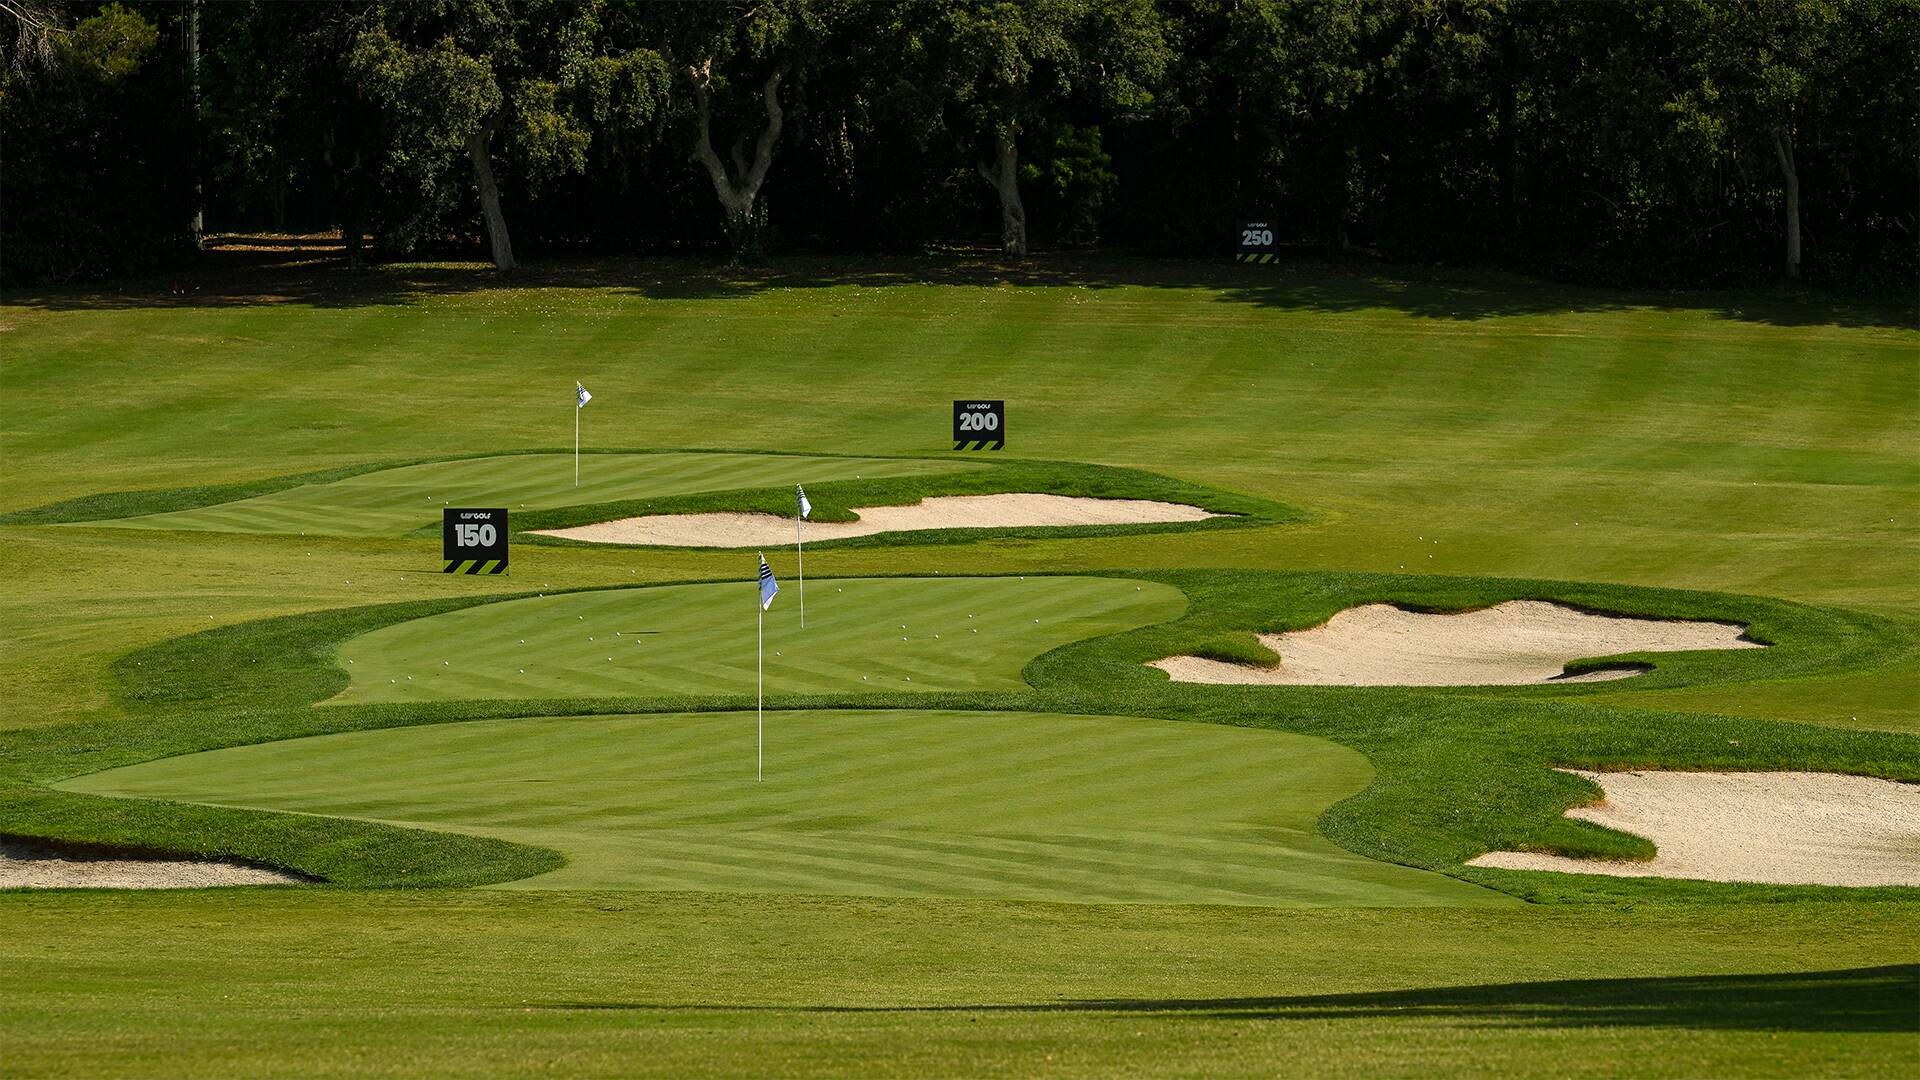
(1087,809)
(862,634)
(394,502)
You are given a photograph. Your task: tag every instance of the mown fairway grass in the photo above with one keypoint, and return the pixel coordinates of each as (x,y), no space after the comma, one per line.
(863,635)
(1440,423)
(396,502)
(622,984)
(1086,809)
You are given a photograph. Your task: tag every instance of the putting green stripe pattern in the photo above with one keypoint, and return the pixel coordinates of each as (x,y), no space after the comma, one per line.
(862,634)
(395,502)
(1091,809)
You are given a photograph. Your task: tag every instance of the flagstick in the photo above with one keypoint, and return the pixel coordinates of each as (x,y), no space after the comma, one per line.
(760,692)
(802,551)
(576,442)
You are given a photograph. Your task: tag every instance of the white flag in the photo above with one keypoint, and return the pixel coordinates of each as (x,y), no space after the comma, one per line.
(768,587)
(581,396)
(806,508)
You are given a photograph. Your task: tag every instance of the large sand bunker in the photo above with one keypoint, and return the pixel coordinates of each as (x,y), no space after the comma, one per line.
(35,865)
(1779,828)
(1510,644)
(1009,511)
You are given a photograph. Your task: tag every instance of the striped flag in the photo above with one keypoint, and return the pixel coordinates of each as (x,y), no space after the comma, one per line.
(769,588)
(580,396)
(806,508)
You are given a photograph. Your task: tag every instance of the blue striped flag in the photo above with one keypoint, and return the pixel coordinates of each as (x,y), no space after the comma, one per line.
(769,588)
(806,508)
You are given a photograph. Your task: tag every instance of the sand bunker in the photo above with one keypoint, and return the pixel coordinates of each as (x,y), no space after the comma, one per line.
(734,530)
(1779,828)
(1510,644)
(34,865)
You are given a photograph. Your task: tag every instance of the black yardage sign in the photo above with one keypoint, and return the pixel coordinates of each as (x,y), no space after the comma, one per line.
(474,536)
(1257,243)
(979,423)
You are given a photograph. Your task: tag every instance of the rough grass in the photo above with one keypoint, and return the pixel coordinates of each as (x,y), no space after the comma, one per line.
(1237,647)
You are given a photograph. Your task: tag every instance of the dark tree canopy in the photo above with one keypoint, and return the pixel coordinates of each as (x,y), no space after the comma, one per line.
(1682,143)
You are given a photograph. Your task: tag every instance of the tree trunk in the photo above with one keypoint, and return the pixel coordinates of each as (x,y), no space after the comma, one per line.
(1783,146)
(346,200)
(351,235)
(737,192)
(279,198)
(1004,175)
(490,193)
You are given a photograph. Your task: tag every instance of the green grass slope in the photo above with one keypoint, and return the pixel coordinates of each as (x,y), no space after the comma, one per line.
(1087,809)
(1462,425)
(862,635)
(395,502)
(1461,770)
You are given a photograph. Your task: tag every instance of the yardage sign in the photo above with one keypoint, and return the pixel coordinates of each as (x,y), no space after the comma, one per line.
(475,536)
(979,423)
(1256,242)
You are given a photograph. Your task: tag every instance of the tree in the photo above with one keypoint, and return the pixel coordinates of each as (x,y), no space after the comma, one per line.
(737,59)
(37,25)
(97,175)
(1765,71)
(995,72)
(454,75)
(1301,72)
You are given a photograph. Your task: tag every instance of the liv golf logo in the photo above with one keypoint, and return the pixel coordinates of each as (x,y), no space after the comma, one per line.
(475,537)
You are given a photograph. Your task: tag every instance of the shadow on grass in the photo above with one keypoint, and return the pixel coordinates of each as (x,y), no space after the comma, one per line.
(1864,1000)
(300,271)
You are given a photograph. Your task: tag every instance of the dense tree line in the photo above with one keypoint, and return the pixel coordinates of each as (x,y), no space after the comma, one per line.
(1691,142)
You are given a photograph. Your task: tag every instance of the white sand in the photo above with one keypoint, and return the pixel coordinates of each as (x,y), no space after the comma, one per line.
(1781,828)
(25,864)
(1510,644)
(734,530)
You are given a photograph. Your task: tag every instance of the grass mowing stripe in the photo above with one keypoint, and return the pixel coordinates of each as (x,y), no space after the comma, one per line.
(397,501)
(1463,770)
(899,802)
(863,635)
(1773,456)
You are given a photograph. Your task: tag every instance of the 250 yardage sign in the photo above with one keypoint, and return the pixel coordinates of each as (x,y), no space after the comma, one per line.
(1257,243)
(979,423)
(478,536)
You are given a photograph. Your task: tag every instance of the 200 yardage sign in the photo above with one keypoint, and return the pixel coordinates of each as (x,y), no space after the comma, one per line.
(474,535)
(979,423)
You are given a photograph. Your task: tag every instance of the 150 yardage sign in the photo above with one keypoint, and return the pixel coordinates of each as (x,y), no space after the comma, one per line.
(979,423)
(474,535)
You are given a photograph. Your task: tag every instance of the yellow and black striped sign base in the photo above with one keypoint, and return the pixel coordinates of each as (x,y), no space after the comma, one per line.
(1254,257)
(473,566)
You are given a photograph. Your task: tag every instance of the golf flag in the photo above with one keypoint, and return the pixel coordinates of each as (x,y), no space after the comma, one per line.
(769,588)
(580,399)
(800,551)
